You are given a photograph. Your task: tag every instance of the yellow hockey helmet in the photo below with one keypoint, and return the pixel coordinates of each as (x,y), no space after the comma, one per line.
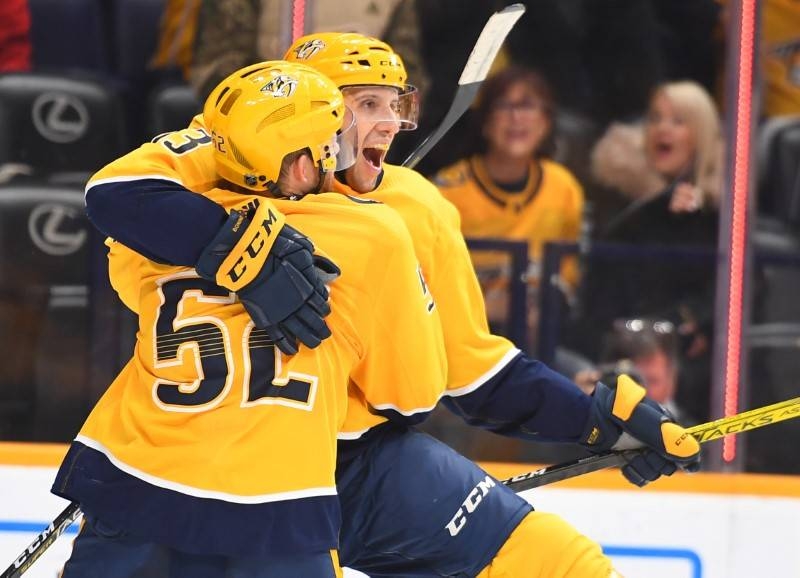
(352,59)
(262,112)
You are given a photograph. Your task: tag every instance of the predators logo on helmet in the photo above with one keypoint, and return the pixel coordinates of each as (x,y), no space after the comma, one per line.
(282,86)
(265,111)
(351,59)
(308,49)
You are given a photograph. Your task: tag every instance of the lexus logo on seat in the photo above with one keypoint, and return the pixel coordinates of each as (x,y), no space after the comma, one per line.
(59,117)
(56,229)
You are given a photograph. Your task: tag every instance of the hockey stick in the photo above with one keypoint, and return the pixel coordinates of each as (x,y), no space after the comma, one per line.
(705,432)
(475,70)
(741,422)
(43,541)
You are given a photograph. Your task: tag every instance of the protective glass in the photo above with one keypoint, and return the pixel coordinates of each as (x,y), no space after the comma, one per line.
(402,108)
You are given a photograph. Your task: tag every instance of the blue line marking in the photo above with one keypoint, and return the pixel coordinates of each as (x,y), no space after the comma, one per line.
(33,527)
(675,553)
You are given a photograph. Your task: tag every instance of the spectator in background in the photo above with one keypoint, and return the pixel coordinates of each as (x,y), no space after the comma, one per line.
(779,56)
(670,167)
(650,348)
(508,188)
(15,36)
(603,59)
(176,36)
(678,149)
(234,33)
(780,37)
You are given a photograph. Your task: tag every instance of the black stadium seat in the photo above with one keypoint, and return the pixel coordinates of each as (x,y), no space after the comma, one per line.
(171,107)
(136,26)
(70,35)
(44,312)
(779,169)
(56,123)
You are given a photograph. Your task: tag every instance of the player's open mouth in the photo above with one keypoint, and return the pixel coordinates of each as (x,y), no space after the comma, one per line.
(375,154)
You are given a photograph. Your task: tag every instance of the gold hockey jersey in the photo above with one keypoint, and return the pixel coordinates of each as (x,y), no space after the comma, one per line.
(208,416)
(474,355)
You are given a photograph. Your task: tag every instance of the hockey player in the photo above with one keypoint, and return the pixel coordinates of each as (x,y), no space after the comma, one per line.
(402,492)
(212,454)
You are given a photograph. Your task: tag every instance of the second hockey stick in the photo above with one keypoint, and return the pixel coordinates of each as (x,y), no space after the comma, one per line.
(43,541)
(478,64)
(705,432)
(741,422)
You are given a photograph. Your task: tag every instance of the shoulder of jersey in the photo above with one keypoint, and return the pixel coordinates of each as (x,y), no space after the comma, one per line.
(409,180)
(422,190)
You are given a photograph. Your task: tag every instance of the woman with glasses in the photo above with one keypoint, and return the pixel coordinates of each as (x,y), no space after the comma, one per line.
(506,186)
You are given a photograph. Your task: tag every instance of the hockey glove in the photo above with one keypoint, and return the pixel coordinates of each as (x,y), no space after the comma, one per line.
(272,269)
(623,418)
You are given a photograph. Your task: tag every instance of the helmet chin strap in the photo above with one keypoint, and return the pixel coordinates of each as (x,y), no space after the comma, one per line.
(274,189)
(320,181)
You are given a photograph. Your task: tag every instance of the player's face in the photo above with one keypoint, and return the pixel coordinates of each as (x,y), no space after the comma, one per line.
(669,140)
(376,112)
(517,124)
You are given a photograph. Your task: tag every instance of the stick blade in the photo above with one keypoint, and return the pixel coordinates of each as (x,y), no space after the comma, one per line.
(489,42)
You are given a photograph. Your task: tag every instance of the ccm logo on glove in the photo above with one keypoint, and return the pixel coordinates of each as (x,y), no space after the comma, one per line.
(246,259)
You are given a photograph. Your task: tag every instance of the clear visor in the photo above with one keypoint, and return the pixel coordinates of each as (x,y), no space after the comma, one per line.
(402,109)
(341,151)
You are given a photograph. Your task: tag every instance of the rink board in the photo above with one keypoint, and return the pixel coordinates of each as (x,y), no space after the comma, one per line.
(698,526)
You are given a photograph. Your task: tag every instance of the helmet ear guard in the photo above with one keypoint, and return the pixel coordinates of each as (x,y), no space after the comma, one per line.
(263,112)
(352,60)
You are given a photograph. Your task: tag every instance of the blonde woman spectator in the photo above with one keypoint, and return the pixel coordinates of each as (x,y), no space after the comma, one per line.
(670,167)
(680,144)
(507,187)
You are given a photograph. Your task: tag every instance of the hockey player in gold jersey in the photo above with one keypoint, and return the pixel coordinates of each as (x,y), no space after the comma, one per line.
(401,491)
(212,454)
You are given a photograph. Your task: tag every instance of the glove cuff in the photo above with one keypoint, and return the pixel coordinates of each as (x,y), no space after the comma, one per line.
(237,253)
(600,432)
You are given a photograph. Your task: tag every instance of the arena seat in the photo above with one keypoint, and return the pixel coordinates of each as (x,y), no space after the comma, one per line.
(136,26)
(171,107)
(778,162)
(44,280)
(57,123)
(70,35)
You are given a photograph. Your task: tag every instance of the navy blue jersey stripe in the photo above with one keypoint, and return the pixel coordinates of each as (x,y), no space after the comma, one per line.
(195,525)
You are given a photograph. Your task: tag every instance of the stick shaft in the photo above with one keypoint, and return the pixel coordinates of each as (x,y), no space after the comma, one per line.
(735,424)
(43,541)
(706,432)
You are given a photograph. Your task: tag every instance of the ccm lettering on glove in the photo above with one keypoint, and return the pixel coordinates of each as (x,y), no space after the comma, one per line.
(274,272)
